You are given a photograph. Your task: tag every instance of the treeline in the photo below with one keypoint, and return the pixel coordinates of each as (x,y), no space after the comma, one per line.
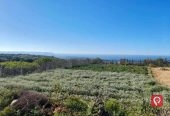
(160,62)
(21,57)
(20,66)
(16,68)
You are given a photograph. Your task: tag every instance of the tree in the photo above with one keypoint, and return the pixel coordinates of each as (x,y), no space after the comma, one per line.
(97,61)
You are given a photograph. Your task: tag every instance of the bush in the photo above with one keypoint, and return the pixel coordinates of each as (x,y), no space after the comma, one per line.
(30,102)
(6,97)
(152,83)
(8,112)
(158,89)
(76,105)
(164,69)
(168,98)
(112,105)
(61,114)
(113,108)
(114,68)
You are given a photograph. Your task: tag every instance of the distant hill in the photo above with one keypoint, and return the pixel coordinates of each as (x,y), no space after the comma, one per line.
(21,57)
(31,53)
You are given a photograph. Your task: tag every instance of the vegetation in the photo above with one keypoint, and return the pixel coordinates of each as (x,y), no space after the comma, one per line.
(80,92)
(160,62)
(18,64)
(16,68)
(76,105)
(78,87)
(21,57)
(21,64)
(114,68)
(113,108)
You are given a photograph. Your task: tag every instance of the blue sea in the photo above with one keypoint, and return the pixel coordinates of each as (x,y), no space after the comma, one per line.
(112,57)
(104,57)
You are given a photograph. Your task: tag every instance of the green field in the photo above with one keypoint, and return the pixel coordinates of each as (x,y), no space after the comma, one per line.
(132,91)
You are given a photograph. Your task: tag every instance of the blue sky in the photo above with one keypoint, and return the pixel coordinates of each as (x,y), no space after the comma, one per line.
(86,26)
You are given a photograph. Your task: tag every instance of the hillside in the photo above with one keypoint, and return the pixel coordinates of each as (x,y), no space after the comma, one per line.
(131,91)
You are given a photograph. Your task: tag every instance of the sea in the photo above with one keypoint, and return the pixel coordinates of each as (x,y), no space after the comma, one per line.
(83,56)
(112,57)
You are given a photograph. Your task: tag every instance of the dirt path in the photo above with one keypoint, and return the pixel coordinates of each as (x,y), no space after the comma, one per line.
(162,76)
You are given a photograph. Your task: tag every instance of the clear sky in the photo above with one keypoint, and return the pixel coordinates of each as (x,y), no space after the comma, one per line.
(86,26)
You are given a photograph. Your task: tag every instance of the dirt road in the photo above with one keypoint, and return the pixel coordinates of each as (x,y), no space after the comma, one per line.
(162,75)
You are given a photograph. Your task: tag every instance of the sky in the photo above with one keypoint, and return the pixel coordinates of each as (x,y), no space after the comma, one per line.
(140,27)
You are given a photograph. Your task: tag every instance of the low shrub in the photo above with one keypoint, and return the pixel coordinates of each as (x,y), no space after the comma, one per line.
(152,83)
(6,97)
(114,68)
(113,108)
(76,104)
(29,102)
(164,69)
(168,98)
(8,111)
(158,88)
(61,114)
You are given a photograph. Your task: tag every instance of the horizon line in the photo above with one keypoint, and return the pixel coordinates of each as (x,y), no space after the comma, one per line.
(54,53)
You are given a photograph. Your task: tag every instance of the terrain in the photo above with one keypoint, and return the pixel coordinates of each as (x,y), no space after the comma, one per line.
(162,75)
(131,91)
(80,87)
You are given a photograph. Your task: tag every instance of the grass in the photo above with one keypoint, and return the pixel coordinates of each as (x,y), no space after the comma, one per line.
(130,88)
(114,68)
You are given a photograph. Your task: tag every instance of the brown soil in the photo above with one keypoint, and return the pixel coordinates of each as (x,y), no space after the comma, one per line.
(162,75)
